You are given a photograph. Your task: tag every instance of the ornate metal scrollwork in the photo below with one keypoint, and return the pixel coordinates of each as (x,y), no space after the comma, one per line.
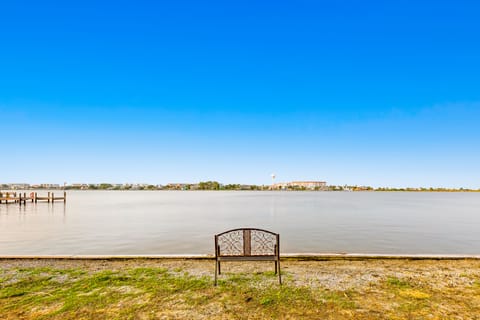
(231,243)
(263,243)
(247,242)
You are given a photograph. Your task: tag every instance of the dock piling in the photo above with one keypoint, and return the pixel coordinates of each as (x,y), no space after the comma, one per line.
(21,198)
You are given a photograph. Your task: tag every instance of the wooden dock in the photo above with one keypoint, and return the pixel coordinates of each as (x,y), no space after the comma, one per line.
(22,199)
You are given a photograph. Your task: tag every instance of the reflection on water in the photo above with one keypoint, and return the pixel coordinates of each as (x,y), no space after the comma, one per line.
(169,222)
(33,208)
(272,205)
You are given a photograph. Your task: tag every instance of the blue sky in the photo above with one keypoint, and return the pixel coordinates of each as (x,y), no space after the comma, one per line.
(374,93)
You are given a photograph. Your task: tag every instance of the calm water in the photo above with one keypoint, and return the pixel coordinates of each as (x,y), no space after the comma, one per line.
(170,222)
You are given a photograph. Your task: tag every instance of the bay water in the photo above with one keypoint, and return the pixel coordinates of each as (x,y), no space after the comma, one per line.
(184,222)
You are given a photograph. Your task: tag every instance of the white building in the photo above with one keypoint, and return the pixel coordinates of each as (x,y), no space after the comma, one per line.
(309,185)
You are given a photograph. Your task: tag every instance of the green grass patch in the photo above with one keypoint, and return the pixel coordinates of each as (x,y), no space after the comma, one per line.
(153,293)
(340,299)
(12,293)
(398,283)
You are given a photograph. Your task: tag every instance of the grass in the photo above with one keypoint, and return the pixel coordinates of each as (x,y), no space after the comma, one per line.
(152,293)
(398,283)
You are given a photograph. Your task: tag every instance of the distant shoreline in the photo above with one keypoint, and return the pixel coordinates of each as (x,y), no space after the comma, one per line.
(217,186)
(260,190)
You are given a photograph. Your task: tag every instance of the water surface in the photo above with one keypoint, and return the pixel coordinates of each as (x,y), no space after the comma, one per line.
(184,222)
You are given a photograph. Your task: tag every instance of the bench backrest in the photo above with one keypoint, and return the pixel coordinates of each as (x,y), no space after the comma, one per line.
(247,242)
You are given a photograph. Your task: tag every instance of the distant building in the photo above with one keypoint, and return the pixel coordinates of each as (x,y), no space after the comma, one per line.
(50,185)
(79,186)
(17,186)
(309,185)
(178,186)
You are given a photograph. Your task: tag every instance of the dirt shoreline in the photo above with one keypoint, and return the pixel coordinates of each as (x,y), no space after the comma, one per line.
(183,289)
(333,274)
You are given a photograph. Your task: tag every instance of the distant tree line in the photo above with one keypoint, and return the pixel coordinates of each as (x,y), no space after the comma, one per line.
(209,185)
(215,185)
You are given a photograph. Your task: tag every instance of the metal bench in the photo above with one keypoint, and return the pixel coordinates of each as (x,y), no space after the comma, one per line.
(247,244)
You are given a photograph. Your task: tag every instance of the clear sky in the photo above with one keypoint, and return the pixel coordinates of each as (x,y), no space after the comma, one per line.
(381,93)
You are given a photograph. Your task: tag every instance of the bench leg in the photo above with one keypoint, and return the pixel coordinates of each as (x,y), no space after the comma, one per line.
(219,269)
(275,267)
(216,266)
(279,273)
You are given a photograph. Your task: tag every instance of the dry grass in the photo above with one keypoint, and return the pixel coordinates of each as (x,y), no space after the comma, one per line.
(183,289)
